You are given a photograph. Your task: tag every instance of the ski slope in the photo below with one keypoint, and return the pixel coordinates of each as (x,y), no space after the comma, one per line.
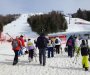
(77,25)
(20,26)
(60,64)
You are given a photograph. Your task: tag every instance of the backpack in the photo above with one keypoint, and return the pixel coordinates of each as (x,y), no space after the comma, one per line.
(41,42)
(70,42)
(84,50)
(14,43)
(56,41)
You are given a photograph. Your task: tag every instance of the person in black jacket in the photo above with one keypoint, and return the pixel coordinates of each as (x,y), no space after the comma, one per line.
(88,49)
(42,44)
(84,53)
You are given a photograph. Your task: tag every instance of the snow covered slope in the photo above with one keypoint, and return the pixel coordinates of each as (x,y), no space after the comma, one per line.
(77,25)
(20,26)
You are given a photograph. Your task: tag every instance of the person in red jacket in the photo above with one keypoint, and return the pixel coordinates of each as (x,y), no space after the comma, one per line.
(22,40)
(16,46)
(23,45)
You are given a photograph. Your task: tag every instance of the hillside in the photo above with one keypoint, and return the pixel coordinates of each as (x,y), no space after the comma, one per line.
(77,25)
(19,26)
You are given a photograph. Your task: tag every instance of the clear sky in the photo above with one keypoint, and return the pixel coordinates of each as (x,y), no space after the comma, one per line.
(32,6)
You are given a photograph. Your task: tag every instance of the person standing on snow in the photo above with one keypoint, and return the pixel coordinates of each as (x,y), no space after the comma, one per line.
(70,46)
(30,48)
(77,45)
(50,48)
(58,45)
(42,45)
(84,53)
(88,49)
(22,47)
(16,46)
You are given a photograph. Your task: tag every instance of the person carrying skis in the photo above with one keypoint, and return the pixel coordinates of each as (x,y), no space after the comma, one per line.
(16,46)
(77,45)
(84,53)
(42,45)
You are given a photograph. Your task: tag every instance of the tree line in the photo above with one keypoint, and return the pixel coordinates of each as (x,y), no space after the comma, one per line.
(48,23)
(83,14)
(7,19)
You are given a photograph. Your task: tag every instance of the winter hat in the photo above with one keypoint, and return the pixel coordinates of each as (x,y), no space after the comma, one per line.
(29,39)
(21,35)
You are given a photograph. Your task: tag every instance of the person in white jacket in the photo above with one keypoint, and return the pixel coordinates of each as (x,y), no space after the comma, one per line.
(58,45)
(50,48)
(77,45)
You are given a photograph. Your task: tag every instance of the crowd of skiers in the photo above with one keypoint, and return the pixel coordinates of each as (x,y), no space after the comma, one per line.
(77,45)
(42,43)
(51,46)
(18,44)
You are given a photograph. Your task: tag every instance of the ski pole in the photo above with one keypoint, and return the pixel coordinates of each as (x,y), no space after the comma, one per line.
(9,35)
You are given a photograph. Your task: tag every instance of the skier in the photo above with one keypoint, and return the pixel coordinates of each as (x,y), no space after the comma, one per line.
(88,49)
(30,48)
(42,44)
(84,53)
(77,46)
(70,46)
(16,44)
(50,48)
(58,45)
(22,47)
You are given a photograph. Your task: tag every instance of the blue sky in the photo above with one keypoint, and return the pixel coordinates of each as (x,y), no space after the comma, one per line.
(32,6)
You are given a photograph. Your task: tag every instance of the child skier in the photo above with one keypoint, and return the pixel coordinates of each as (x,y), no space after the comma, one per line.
(30,48)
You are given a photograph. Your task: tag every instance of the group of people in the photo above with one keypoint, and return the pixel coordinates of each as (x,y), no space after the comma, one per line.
(42,43)
(18,44)
(52,46)
(75,44)
(47,44)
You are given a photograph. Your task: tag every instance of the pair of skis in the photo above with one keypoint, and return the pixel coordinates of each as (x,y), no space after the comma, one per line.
(75,59)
